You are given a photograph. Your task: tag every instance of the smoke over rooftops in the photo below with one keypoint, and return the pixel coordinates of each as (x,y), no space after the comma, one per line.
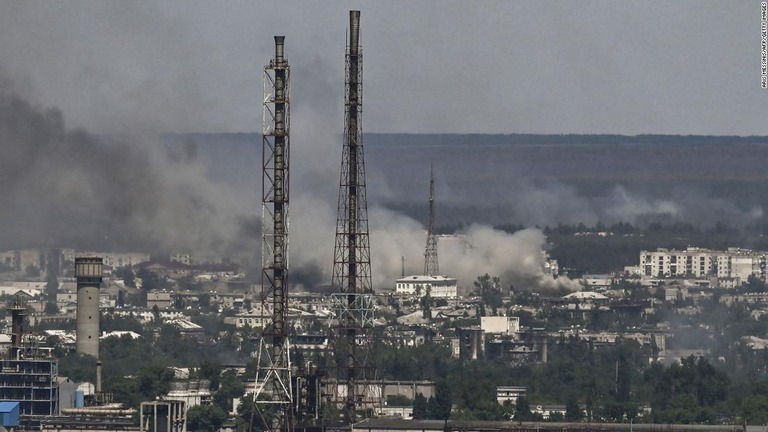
(66,187)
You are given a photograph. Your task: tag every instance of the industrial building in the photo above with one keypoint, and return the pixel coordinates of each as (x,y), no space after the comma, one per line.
(32,380)
(163,416)
(29,374)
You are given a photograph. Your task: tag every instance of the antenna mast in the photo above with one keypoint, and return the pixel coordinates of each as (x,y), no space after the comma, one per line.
(430,255)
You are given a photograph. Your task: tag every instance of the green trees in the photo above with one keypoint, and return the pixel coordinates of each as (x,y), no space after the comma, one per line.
(425,362)
(151,382)
(205,418)
(426,303)
(439,406)
(688,392)
(419,407)
(573,411)
(127,275)
(489,290)
(230,388)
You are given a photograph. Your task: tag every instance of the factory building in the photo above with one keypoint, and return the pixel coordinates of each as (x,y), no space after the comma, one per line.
(33,381)
(29,374)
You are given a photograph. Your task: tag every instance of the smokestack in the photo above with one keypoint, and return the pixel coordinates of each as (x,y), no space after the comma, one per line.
(88,272)
(98,376)
(279,49)
(17,328)
(354,31)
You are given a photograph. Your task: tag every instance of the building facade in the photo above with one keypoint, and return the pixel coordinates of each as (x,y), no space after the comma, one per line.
(438,286)
(698,262)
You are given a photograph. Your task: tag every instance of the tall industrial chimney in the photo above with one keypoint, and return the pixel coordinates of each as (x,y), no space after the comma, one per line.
(351,279)
(88,272)
(274,374)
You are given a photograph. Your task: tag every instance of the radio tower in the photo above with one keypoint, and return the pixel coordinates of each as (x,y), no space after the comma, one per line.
(430,255)
(273,397)
(351,256)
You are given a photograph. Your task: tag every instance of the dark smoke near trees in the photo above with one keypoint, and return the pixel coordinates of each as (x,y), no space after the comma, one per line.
(63,187)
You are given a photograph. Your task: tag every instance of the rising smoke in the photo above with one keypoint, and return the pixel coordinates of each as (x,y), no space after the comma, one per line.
(62,187)
(68,188)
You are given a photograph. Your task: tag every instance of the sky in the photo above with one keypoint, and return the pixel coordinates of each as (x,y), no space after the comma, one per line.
(666,67)
(77,71)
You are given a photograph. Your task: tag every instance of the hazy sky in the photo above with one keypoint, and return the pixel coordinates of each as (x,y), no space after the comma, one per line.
(680,67)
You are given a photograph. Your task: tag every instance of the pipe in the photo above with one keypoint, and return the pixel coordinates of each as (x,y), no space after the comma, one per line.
(98,376)
(279,49)
(109,406)
(17,328)
(98,412)
(354,31)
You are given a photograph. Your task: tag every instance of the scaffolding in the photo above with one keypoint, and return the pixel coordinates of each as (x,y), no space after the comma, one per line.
(32,382)
(29,374)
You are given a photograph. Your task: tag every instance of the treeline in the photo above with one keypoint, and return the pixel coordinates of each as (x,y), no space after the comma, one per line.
(595,383)
(607,248)
(376,139)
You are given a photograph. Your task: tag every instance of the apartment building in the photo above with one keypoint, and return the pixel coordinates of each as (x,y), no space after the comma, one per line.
(698,262)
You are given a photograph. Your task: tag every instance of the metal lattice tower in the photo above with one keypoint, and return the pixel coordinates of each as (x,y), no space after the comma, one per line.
(273,396)
(430,255)
(353,370)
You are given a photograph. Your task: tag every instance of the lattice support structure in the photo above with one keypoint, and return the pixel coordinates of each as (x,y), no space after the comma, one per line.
(273,397)
(430,254)
(352,332)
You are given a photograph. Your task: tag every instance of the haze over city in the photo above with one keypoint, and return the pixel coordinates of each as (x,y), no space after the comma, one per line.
(524,215)
(131,70)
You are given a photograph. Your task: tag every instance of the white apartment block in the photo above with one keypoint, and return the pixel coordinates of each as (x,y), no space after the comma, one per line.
(697,262)
(503,325)
(438,286)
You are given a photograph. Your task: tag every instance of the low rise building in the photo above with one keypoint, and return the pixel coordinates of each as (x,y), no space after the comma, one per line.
(502,325)
(437,286)
(510,393)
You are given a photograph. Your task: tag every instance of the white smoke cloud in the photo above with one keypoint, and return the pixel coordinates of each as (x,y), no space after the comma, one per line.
(516,258)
